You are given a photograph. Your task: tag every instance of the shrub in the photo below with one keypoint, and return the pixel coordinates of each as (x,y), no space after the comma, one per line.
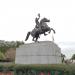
(31,69)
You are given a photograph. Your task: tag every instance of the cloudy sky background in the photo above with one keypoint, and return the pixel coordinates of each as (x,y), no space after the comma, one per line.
(17,17)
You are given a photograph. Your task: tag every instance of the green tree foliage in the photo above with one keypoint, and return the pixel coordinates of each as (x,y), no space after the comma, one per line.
(73,57)
(1,55)
(63,57)
(19,43)
(6,45)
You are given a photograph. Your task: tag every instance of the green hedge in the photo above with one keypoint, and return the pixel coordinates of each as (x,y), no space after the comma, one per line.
(28,69)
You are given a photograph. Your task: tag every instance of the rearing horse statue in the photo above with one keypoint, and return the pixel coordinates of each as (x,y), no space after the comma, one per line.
(42,29)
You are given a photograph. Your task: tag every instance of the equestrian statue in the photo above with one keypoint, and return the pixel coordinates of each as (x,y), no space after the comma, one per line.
(40,28)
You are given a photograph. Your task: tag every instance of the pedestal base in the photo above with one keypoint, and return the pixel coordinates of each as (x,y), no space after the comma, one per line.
(45,52)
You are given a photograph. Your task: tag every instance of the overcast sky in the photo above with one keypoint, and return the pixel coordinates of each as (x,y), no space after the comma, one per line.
(17,17)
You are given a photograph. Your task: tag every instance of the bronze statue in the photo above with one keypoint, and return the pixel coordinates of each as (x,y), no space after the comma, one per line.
(40,28)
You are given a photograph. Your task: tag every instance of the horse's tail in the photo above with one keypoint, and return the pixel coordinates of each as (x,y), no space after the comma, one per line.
(27,36)
(53,30)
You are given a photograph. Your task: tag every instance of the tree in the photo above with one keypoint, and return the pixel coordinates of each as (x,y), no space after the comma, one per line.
(19,43)
(73,57)
(63,56)
(1,56)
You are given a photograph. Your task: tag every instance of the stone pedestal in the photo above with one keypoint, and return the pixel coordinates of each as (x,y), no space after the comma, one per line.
(44,52)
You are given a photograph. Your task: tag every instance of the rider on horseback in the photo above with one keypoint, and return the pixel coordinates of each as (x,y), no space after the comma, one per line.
(37,21)
(41,28)
(40,25)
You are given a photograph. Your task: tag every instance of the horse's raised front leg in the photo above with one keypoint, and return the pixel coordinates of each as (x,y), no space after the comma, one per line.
(53,30)
(49,31)
(45,34)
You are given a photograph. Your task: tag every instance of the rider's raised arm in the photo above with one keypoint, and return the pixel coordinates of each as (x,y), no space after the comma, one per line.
(38,16)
